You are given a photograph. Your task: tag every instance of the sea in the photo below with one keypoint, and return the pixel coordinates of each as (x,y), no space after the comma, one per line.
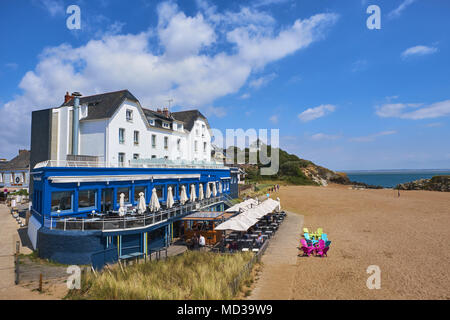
(391,178)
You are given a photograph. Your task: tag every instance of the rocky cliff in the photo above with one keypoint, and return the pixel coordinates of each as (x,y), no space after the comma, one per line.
(436,183)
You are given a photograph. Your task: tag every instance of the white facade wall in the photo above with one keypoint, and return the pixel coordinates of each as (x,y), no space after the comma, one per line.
(92,139)
(101,137)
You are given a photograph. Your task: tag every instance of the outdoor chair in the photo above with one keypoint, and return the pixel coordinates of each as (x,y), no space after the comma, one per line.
(307,250)
(319,232)
(321,249)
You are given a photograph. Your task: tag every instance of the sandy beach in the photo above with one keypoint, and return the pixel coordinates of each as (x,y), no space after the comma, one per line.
(408,237)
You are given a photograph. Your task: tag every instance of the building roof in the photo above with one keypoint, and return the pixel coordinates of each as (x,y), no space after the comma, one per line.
(21,161)
(189,117)
(102,106)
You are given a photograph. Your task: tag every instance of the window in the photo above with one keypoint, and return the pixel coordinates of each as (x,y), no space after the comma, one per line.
(61,200)
(129,115)
(154,140)
(195,146)
(166,143)
(136,138)
(137,190)
(166,157)
(121,135)
(121,159)
(174,126)
(180,127)
(153,156)
(126,192)
(86,199)
(196,132)
(151,121)
(135,156)
(204,146)
(179,144)
(166,125)
(159,191)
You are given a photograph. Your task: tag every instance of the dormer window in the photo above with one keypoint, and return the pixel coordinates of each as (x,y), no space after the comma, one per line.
(151,121)
(174,126)
(129,115)
(166,125)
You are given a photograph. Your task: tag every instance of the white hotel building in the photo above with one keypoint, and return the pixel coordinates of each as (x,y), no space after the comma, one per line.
(115,129)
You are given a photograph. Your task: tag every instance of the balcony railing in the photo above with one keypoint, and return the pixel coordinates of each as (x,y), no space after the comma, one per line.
(136,163)
(136,221)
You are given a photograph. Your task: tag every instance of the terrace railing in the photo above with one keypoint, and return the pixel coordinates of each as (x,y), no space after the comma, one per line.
(136,221)
(141,163)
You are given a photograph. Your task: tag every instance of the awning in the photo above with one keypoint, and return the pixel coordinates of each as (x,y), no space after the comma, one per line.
(105,178)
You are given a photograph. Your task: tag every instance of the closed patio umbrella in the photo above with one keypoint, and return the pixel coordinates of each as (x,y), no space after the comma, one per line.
(192,195)
(279,204)
(154,202)
(200,192)
(214,190)
(183,195)
(220,187)
(122,205)
(141,206)
(170,201)
(208,191)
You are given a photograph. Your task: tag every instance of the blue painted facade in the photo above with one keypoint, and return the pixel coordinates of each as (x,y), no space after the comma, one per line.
(96,246)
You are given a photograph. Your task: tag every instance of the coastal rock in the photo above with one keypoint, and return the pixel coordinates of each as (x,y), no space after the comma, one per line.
(436,183)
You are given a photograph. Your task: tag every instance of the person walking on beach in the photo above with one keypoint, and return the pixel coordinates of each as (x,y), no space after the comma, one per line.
(398,192)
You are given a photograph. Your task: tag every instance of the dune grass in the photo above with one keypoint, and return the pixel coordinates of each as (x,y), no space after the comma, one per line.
(192,275)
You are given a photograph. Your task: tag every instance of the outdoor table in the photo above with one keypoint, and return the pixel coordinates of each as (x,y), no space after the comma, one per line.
(254,235)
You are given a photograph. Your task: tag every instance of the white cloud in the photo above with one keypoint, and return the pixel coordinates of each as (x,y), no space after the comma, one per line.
(418,51)
(397,11)
(324,136)
(262,81)
(184,67)
(317,112)
(262,3)
(274,119)
(54,7)
(218,112)
(372,137)
(359,65)
(245,96)
(403,111)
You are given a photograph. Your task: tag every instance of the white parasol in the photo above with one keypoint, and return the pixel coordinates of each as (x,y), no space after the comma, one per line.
(154,202)
(122,205)
(220,187)
(208,191)
(170,201)
(141,206)
(183,195)
(200,192)
(214,190)
(192,195)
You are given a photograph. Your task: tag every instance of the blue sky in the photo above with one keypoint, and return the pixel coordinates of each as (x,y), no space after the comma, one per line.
(342,95)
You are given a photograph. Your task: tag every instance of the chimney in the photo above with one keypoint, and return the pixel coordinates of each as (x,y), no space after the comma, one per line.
(21,151)
(158,110)
(67,97)
(75,122)
(166,112)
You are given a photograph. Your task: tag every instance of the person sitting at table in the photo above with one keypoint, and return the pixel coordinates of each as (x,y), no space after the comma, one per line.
(260,239)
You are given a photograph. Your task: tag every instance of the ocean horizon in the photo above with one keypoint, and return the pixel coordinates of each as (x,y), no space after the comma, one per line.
(391,178)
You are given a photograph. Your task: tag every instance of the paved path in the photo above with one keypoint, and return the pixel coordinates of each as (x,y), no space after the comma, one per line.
(279,261)
(8,237)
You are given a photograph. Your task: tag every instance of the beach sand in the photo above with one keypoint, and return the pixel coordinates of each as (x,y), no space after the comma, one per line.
(407,237)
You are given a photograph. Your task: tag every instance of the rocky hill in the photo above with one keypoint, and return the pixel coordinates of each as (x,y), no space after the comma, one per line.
(436,183)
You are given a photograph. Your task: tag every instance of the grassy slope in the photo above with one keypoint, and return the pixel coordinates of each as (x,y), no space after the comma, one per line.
(192,275)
